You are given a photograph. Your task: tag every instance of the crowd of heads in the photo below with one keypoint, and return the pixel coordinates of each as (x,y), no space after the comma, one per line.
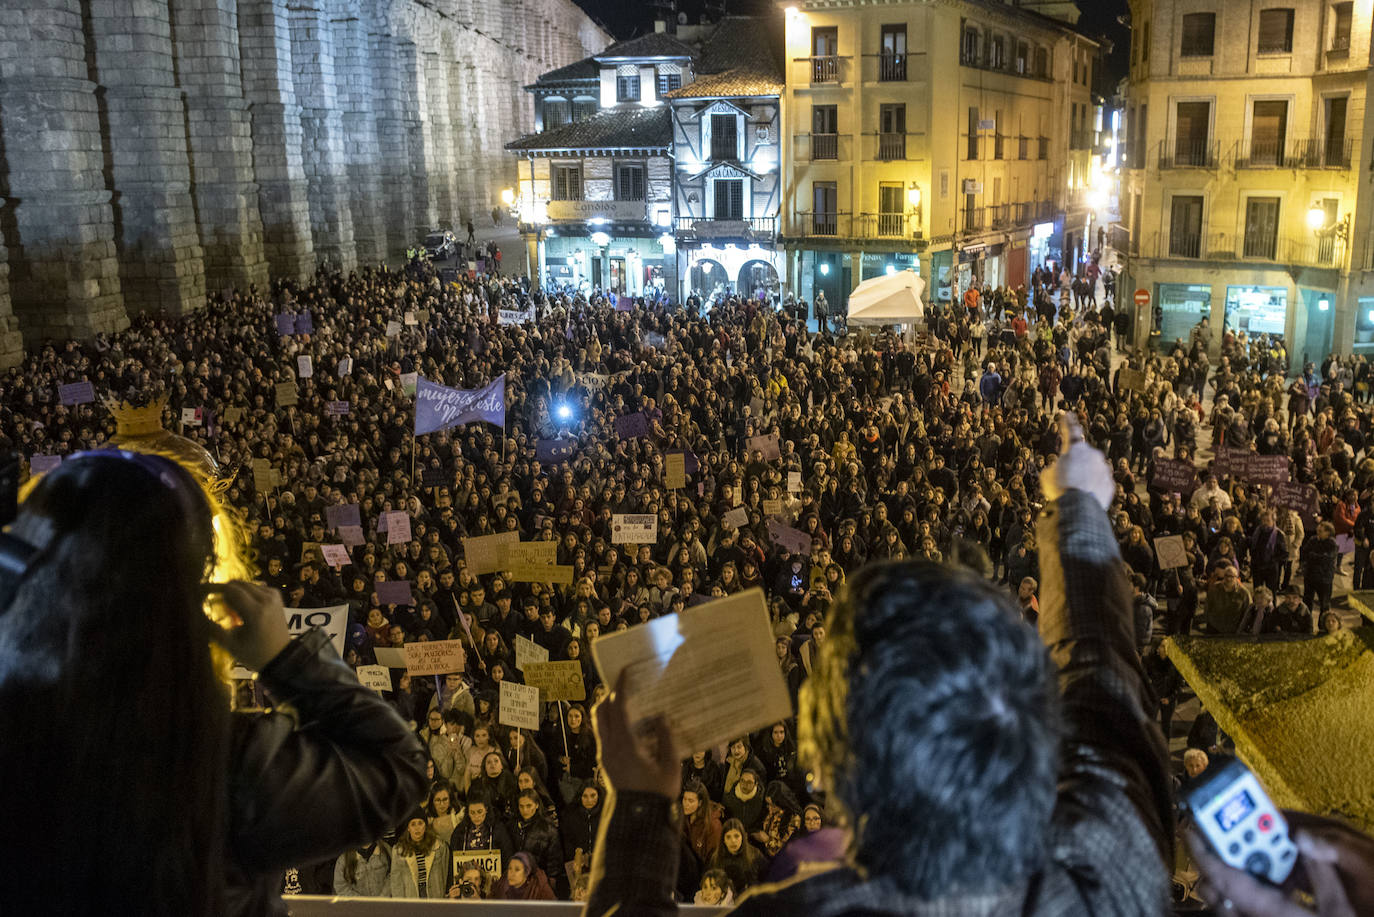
(883,446)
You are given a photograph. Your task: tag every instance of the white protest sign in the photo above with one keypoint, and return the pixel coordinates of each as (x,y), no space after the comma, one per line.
(793,482)
(1170,552)
(345,367)
(393,657)
(712,672)
(409,317)
(333,621)
(376,677)
(632,528)
(336,555)
(489,861)
(305,367)
(393,329)
(736,518)
(397,527)
(519,705)
(526,651)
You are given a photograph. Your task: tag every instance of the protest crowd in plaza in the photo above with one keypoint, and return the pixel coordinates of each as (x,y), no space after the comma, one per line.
(658,455)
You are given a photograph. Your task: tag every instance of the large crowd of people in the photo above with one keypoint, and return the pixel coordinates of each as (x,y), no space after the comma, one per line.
(884,446)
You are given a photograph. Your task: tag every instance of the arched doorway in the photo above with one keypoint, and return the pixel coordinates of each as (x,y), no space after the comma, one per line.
(709,279)
(758,276)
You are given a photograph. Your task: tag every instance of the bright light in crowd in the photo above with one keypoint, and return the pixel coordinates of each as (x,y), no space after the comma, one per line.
(563,411)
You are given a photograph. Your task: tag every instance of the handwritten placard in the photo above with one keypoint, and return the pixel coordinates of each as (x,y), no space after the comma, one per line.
(342,514)
(287,395)
(345,367)
(376,677)
(487,553)
(794,482)
(397,527)
(767,444)
(336,555)
(527,651)
(1170,552)
(675,471)
(556,680)
(305,367)
(1174,476)
(736,518)
(519,705)
(393,657)
(76,393)
(772,507)
(532,552)
(489,861)
(393,329)
(634,528)
(233,415)
(435,657)
(540,573)
(351,535)
(791,540)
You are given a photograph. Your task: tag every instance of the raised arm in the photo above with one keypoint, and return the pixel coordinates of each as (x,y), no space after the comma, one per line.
(1115,759)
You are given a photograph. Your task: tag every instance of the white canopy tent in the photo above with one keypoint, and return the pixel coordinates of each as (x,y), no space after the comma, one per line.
(889,299)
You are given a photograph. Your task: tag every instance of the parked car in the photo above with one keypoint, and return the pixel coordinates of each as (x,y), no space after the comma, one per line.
(441,244)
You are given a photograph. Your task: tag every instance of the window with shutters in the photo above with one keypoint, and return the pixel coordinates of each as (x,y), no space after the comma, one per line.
(1185,226)
(1199,34)
(1023,62)
(1042,63)
(968,50)
(892,58)
(1268,132)
(892,131)
(729,199)
(891,209)
(1340,26)
(567,183)
(1192,133)
(1261,227)
(824,201)
(972,133)
(629,182)
(667,82)
(627,86)
(724,137)
(1275,31)
(824,132)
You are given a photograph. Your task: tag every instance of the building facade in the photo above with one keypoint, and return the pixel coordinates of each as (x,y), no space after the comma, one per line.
(726,158)
(956,138)
(1241,193)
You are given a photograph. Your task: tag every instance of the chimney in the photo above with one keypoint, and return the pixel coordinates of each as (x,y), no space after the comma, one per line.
(660,26)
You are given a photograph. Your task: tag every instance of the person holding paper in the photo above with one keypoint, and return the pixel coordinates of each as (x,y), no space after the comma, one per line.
(1062,802)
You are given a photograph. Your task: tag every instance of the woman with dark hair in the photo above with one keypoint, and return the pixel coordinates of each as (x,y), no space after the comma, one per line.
(580,821)
(580,759)
(443,809)
(528,779)
(703,766)
(481,828)
(107,562)
(778,752)
(740,860)
(497,784)
(701,820)
(534,835)
(364,872)
(419,861)
(523,881)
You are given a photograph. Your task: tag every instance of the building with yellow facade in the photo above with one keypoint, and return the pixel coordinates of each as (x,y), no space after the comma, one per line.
(1240,199)
(956,137)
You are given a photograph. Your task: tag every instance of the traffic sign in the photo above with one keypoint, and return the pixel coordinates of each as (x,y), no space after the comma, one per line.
(1142,297)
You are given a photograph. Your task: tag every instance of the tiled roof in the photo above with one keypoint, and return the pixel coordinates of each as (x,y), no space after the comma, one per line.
(624,128)
(741,81)
(655,44)
(585,69)
(741,58)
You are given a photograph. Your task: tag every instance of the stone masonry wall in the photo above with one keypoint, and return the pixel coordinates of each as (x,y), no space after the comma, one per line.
(155,152)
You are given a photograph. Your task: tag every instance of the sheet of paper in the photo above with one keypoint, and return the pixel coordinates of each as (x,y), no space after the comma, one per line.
(392,657)
(711,670)
(519,705)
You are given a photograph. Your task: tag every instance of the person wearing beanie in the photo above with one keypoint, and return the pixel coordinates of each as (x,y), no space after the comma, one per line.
(419,860)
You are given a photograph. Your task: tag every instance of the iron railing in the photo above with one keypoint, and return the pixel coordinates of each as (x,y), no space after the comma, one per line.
(891,67)
(891,146)
(1188,154)
(886,226)
(822,223)
(1316,153)
(825,146)
(706,227)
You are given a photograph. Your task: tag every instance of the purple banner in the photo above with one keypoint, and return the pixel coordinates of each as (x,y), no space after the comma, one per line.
(1300,498)
(438,408)
(630,426)
(336,407)
(1174,476)
(1267,469)
(286,324)
(347,514)
(554,450)
(42,464)
(305,324)
(393,592)
(77,393)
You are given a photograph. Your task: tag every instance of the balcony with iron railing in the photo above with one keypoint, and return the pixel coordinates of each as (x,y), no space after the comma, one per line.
(891,67)
(821,70)
(890,146)
(821,147)
(887,226)
(1317,153)
(755,229)
(822,223)
(1082,139)
(983,60)
(1324,250)
(1188,154)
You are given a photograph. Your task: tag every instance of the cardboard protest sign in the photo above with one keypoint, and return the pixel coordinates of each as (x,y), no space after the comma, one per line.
(1230,462)
(772,507)
(504,497)
(540,573)
(233,415)
(675,471)
(690,464)
(435,657)
(263,477)
(376,677)
(527,651)
(336,407)
(422,315)
(190,417)
(390,656)
(305,367)
(532,552)
(767,444)
(794,482)
(410,317)
(631,426)
(487,553)
(1170,552)
(736,518)
(342,514)
(1132,379)
(351,535)
(336,555)
(489,861)
(634,528)
(556,680)
(1174,476)
(791,540)
(287,394)
(675,668)
(519,705)
(393,329)
(42,464)
(345,367)
(76,393)
(397,527)
(394,592)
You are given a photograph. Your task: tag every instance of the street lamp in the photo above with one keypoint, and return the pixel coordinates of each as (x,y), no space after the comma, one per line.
(913,196)
(508,196)
(1316,218)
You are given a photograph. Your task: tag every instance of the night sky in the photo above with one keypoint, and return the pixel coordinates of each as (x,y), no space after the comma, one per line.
(626,18)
